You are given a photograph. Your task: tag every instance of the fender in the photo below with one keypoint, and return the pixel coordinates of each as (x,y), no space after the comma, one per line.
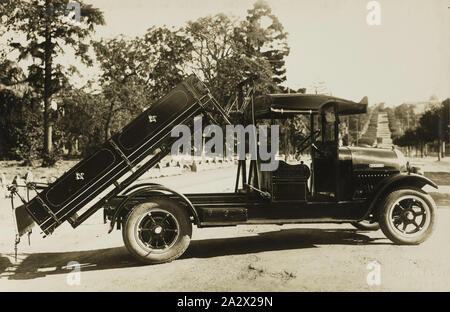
(150,188)
(394,181)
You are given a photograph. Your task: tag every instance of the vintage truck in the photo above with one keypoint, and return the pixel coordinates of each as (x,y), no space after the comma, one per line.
(367,187)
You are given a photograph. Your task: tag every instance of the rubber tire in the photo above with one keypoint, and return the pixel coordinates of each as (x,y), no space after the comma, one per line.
(366,226)
(181,244)
(384,215)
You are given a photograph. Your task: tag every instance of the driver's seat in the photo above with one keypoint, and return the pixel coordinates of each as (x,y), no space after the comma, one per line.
(287,183)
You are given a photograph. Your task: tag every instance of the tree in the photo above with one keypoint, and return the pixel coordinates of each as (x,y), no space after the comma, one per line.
(48,33)
(220,58)
(215,51)
(433,124)
(429,124)
(406,117)
(119,60)
(81,121)
(20,116)
(139,71)
(410,138)
(265,36)
(431,127)
(227,50)
(170,51)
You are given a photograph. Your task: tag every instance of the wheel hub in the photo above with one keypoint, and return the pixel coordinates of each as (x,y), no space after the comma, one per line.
(158,230)
(409,215)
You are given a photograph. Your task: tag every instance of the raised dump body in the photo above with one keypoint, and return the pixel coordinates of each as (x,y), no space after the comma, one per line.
(104,174)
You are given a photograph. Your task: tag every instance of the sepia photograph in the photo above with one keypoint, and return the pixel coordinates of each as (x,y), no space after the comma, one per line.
(224,151)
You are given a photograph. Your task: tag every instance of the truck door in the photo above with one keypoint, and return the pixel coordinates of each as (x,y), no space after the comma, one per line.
(325,154)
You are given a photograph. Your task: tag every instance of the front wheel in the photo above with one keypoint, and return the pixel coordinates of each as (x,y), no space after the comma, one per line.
(157,232)
(407,216)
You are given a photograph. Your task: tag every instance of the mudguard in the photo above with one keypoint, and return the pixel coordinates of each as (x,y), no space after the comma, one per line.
(151,189)
(396,181)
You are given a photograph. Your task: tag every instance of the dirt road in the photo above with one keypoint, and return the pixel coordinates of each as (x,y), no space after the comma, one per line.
(244,258)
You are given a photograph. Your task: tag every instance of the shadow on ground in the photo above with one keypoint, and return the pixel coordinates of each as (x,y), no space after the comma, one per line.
(42,264)
(4,264)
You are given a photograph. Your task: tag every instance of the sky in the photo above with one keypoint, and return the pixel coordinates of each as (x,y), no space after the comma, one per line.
(404,59)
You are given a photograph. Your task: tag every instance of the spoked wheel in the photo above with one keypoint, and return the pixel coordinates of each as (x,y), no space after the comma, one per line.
(157,232)
(407,216)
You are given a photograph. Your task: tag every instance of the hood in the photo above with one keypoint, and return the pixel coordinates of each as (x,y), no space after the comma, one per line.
(376,159)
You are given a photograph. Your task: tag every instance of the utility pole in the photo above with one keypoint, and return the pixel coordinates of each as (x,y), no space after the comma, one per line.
(47,83)
(446,106)
(439,135)
(407,118)
(357,130)
(319,87)
(347,130)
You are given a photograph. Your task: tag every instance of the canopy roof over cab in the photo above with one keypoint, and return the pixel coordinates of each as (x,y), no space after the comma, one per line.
(287,105)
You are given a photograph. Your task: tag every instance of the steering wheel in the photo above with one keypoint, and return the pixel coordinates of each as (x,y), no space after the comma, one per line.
(303,145)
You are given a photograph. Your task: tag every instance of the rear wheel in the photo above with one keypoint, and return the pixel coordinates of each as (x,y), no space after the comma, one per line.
(407,216)
(157,232)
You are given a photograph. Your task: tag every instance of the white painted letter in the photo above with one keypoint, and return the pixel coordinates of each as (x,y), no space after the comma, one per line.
(374,16)
(184,142)
(74,277)
(216,141)
(374,276)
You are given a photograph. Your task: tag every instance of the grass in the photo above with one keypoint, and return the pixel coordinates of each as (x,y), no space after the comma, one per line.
(440,178)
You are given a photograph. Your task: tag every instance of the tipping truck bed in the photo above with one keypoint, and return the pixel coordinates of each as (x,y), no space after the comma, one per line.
(112,168)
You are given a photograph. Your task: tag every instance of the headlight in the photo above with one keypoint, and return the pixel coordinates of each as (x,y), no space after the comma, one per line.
(416,170)
(403,163)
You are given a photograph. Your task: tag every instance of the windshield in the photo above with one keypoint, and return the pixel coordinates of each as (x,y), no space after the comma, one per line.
(326,123)
(294,134)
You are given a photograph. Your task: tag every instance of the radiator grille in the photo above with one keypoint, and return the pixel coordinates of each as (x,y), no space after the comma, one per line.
(366,182)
